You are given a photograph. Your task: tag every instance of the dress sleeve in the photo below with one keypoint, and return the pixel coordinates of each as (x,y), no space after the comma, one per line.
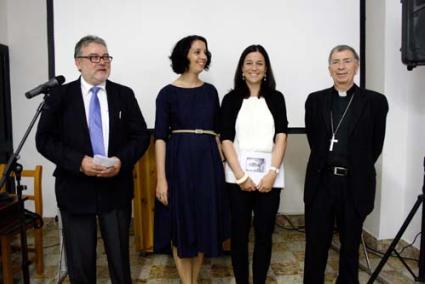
(227,118)
(279,115)
(309,117)
(216,111)
(162,116)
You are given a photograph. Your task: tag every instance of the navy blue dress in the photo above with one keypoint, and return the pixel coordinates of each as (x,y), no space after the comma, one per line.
(196,218)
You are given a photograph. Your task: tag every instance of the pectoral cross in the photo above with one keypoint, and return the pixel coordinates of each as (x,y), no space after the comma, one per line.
(333,140)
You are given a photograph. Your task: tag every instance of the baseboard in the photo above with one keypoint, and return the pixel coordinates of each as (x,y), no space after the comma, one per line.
(383,245)
(293,221)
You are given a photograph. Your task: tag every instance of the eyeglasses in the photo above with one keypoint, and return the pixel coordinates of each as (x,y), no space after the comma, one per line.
(344,61)
(97,58)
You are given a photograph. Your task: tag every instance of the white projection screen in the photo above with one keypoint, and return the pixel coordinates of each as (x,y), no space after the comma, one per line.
(140,35)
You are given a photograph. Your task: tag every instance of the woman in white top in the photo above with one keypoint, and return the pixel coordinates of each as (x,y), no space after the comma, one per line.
(253,135)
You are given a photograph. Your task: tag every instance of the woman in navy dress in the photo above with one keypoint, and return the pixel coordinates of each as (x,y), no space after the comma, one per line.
(190,214)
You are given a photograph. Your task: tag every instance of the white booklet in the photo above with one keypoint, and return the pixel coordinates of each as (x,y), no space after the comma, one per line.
(256,165)
(104,161)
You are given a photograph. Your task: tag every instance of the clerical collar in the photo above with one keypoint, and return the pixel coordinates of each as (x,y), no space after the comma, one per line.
(346,94)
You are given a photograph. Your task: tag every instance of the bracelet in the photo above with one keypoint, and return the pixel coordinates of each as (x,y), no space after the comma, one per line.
(276,170)
(242,179)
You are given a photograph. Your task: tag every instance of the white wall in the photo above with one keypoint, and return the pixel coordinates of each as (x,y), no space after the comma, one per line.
(296,157)
(375,66)
(27,41)
(3,22)
(287,29)
(415,147)
(404,150)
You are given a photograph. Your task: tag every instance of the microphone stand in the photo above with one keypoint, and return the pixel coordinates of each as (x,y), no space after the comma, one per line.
(421,276)
(13,166)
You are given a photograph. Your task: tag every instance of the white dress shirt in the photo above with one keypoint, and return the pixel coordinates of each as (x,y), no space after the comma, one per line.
(104,110)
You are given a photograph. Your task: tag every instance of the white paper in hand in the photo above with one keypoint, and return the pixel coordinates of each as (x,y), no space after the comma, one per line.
(256,165)
(104,161)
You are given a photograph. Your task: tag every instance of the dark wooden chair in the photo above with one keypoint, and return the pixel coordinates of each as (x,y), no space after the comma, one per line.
(9,233)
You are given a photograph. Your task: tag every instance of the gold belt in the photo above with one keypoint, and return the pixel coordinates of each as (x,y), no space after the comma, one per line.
(195,131)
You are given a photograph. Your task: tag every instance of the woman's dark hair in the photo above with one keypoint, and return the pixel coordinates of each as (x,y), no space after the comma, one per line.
(268,86)
(179,61)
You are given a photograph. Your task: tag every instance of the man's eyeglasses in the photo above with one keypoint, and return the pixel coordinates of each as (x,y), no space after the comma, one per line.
(97,58)
(345,61)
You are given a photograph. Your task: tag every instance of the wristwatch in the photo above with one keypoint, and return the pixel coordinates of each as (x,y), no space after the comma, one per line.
(276,170)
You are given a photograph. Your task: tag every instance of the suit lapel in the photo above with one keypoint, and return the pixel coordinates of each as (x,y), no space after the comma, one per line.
(80,113)
(113,107)
(327,103)
(357,108)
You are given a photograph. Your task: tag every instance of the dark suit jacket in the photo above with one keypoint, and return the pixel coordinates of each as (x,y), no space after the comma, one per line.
(63,138)
(366,137)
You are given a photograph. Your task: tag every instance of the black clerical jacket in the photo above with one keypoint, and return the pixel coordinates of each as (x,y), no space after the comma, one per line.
(366,137)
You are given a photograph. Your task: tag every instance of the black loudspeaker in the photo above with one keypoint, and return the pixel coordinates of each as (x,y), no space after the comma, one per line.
(413,33)
(6,145)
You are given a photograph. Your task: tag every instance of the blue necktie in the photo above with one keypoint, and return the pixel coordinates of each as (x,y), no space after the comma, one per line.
(95,124)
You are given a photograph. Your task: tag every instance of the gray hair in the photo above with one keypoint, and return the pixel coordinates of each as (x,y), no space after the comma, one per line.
(84,41)
(343,47)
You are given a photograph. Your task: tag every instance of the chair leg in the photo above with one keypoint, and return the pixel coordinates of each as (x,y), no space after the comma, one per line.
(38,249)
(5,255)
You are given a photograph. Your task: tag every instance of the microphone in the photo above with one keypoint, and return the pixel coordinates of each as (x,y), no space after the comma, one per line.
(45,87)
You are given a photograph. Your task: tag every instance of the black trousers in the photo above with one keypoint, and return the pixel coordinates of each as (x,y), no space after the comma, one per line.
(332,202)
(264,206)
(80,239)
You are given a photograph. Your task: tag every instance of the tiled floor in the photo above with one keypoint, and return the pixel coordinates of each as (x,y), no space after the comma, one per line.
(286,266)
